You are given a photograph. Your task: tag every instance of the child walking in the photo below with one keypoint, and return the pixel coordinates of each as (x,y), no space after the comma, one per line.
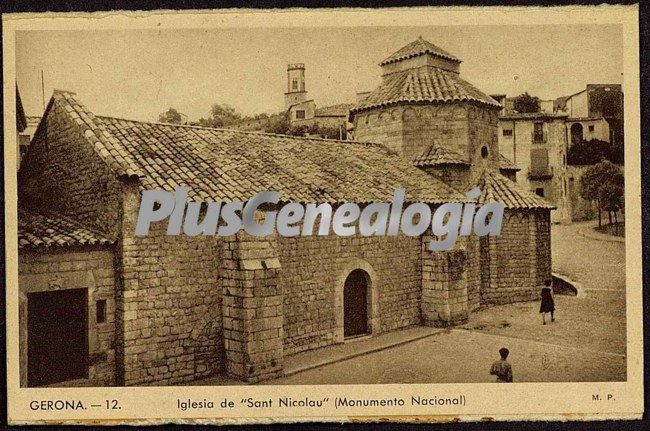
(548,304)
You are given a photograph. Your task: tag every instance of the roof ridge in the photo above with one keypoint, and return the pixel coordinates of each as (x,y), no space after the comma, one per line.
(419,46)
(248,132)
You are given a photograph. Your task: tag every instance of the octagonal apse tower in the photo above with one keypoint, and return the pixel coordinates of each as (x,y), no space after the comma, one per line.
(425,111)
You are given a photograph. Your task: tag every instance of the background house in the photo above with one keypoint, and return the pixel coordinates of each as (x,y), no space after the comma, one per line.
(539,143)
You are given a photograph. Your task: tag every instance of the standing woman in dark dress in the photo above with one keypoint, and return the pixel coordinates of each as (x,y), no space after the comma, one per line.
(548,304)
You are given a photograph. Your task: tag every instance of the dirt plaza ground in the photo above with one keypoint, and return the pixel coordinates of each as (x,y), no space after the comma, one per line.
(587,342)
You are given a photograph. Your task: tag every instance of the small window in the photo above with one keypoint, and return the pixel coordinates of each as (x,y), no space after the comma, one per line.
(101,311)
(294,84)
(485,152)
(300,114)
(539,191)
(538,132)
(507,132)
(591,128)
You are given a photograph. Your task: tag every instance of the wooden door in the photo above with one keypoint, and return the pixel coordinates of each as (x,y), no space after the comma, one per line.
(355,304)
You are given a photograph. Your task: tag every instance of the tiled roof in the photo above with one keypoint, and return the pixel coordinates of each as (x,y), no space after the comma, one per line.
(424,84)
(437,155)
(95,132)
(228,165)
(497,188)
(418,47)
(340,110)
(506,164)
(40,229)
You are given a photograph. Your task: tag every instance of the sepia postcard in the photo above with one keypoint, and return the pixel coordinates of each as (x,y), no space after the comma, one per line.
(256,216)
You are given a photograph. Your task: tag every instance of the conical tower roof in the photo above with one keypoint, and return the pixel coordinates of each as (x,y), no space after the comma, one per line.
(418,47)
(423,83)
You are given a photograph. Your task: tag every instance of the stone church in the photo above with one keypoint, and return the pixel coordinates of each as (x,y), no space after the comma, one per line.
(101,306)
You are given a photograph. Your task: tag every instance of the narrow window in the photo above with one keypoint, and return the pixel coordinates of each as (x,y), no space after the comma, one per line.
(538,132)
(484,152)
(295,84)
(101,311)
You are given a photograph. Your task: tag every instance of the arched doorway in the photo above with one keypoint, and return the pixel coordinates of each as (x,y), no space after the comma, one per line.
(576,133)
(355,304)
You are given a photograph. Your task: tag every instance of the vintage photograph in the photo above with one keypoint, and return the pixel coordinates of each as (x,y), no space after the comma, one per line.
(532,116)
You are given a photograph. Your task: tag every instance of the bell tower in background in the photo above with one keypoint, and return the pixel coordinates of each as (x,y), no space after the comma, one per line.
(296,92)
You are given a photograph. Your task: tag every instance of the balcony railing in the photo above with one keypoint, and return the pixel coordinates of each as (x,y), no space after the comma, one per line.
(543,173)
(538,137)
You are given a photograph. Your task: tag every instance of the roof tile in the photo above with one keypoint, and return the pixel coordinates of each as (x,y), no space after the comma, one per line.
(418,47)
(45,229)
(437,155)
(234,165)
(424,84)
(506,164)
(497,188)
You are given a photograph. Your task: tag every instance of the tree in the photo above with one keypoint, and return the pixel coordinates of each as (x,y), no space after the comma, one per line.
(525,103)
(605,175)
(611,198)
(593,151)
(170,116)
(221,116)
(278,124)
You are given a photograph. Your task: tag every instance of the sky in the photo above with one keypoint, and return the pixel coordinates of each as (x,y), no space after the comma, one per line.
(137,74)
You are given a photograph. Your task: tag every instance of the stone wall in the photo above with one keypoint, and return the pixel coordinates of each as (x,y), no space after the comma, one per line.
(252,307)
(482,132)
(381,126)
(61,171)
(445,284)
(410,129)
(314,271)
(442,124)
(169,304)
(542,228)
(473,267)
(515,264)
(89,268)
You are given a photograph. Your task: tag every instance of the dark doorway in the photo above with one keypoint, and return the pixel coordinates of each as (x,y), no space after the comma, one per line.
(57,336)
(576,133)
(355,304)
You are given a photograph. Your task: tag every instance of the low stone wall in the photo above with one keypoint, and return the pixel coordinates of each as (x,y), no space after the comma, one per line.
(91,268)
